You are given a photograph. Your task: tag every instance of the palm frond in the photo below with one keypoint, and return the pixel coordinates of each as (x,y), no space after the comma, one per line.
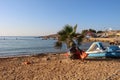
(62,32)
(69,43)
(58,45)
(75,28)
(68,29)
(68,35)
(63,38)
(79,39)
(73,33)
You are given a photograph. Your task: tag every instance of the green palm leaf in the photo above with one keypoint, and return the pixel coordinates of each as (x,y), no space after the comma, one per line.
(68,35)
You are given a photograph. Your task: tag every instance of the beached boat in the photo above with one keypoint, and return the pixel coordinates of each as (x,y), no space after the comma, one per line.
(97,50)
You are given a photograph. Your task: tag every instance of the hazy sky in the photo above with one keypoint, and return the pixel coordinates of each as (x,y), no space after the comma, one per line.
(42,17)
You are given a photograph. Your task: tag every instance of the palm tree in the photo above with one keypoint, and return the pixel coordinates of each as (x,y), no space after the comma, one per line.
(68,36)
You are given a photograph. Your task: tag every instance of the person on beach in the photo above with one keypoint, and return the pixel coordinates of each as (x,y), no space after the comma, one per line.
(76,53)
(73,53)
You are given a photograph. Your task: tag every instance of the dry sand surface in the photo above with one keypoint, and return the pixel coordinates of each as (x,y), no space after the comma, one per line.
(57,67)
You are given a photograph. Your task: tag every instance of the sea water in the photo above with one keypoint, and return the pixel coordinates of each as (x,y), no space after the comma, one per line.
(26,45)
(29,45)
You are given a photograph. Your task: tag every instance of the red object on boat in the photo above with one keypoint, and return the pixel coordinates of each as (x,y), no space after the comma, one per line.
(83,55)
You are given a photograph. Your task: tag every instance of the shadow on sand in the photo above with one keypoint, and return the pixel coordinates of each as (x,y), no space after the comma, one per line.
(103,59)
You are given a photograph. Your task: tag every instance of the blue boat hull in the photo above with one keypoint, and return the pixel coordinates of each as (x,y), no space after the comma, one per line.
(98,50)
(105,54)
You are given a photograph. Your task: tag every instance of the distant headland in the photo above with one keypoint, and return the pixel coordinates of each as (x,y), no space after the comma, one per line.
(111,36)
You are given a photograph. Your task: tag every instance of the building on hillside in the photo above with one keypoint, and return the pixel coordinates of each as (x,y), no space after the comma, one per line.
(91,34)
(112,33)
(118,34)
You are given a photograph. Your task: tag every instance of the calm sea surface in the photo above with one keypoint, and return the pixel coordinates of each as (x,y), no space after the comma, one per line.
(16,46)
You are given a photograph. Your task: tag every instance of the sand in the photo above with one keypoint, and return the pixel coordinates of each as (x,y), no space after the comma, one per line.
(58,67)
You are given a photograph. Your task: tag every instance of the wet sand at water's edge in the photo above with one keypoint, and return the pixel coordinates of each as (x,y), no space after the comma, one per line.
(58,67)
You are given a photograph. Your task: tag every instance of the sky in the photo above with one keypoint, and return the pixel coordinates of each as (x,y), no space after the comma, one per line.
(44,17)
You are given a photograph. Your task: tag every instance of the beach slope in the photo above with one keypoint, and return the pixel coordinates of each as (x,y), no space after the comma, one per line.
(58,67)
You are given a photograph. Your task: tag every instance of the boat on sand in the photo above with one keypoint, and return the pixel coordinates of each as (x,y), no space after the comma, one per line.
(97,50)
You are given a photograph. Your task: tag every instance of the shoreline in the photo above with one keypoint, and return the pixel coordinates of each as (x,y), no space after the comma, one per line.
(34,54)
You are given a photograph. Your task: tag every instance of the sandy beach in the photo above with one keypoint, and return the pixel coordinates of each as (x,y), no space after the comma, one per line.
(58,67)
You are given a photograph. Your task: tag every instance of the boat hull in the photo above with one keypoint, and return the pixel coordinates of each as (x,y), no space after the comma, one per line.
(104,54)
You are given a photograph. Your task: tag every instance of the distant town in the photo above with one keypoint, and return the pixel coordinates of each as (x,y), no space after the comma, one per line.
(111,36)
